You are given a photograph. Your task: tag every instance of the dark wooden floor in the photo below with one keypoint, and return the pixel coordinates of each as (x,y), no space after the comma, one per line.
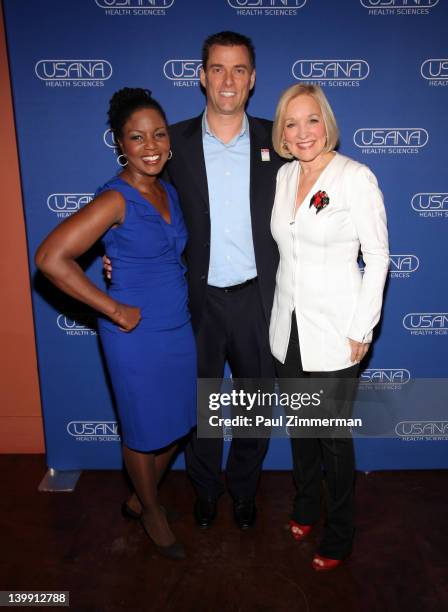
(79,542)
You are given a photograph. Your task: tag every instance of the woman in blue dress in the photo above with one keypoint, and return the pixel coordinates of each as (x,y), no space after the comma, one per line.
(146,333)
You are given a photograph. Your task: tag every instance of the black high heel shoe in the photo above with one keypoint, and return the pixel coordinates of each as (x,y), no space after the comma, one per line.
(174,551)
(127,512)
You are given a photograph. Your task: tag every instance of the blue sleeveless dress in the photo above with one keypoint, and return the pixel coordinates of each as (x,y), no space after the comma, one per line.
(153,367)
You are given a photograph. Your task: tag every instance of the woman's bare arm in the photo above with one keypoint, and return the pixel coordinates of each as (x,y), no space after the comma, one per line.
(56,256)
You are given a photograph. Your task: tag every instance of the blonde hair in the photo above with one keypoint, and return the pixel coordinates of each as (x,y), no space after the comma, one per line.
(331,127)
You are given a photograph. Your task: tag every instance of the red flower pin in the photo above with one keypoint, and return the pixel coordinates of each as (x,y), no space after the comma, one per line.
(319,200)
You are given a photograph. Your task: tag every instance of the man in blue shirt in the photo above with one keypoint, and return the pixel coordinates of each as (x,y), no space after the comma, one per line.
(224,168)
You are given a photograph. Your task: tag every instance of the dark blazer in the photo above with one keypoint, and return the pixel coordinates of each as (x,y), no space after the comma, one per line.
(186,171)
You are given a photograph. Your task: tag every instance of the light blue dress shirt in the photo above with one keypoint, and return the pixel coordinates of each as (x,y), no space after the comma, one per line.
(232,257)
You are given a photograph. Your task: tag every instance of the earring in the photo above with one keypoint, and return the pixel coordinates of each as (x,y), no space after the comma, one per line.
(284,145)
(122,164)
(170,154)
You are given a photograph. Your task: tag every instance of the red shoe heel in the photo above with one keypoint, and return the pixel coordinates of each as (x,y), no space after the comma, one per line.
(298,531)
(322,564)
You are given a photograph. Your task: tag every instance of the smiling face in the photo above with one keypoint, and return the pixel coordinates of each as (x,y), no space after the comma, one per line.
(228,79)
(145,142)
(304,130)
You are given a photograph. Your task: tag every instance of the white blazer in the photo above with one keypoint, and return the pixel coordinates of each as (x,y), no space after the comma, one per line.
(318,274)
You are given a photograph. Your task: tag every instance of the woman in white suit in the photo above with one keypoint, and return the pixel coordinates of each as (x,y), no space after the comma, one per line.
(327,207)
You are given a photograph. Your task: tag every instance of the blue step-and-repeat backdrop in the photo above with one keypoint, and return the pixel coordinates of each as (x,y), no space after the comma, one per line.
(383,65)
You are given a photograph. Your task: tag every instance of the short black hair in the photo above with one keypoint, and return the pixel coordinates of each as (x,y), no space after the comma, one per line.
(228,39)
(125,102)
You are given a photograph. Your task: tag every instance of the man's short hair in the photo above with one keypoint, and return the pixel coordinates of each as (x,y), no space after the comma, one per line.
(228,39)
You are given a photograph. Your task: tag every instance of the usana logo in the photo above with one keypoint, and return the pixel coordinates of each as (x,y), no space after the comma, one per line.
(286,8)
(434,205)
(77,324)
(398,7)
(385,377)
(426,323)
(331,72)
(183,72)
(402,266)
(73,72)
(422,430)
(390,140)
(94,431)
(65,204)
(435,71)
(148,8)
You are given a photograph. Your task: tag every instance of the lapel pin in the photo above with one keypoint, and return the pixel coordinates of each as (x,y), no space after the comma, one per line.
(265,155)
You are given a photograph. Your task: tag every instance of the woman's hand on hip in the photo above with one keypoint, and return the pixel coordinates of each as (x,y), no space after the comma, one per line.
(358,350)
(107,267)
(126,317)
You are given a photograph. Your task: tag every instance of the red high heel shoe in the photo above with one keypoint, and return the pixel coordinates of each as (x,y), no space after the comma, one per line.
(322,564)
(298,531)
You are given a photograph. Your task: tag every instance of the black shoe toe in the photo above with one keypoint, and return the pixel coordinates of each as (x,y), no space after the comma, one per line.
(244,512)
(204,512)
